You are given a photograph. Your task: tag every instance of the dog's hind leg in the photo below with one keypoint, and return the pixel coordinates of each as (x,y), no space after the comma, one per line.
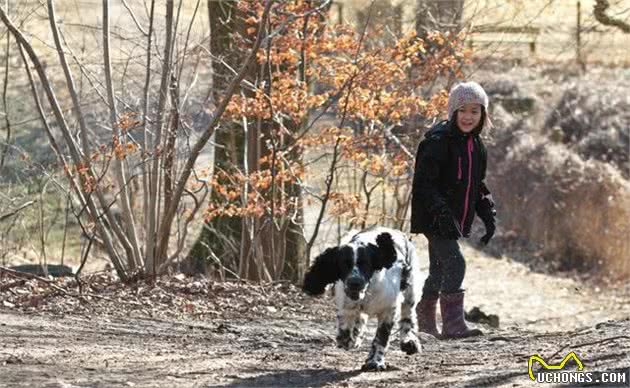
(408,323)
(410,286)
(376,358)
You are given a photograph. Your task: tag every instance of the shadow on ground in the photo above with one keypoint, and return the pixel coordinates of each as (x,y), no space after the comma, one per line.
(294,378)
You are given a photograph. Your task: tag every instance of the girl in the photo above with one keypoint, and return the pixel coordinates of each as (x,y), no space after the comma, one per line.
(448,189)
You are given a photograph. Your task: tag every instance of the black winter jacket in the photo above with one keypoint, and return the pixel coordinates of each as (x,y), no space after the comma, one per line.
(450,171)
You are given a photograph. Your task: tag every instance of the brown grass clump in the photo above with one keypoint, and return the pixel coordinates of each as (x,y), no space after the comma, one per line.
(594,121)
(578,210)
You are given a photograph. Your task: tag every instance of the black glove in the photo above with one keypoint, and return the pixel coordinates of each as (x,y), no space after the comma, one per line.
(447,225)
(490,229)
(487,213)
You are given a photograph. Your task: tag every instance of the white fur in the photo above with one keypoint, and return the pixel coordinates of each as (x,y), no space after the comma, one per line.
(383,290)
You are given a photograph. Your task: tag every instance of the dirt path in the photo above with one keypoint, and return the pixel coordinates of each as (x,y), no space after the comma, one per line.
(246,336)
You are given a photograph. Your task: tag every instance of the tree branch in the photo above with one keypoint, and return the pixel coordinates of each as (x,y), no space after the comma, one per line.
(134,256)
(16,211)
(4,101)
(599,10)
(154,229)
(133,16)
(26,275)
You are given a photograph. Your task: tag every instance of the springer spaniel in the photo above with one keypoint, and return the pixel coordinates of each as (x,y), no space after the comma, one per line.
(374,271)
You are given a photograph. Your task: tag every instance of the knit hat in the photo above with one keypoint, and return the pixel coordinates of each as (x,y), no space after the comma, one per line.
(467,93)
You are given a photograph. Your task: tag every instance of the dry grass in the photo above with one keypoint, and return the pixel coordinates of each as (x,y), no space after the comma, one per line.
(578,210)
(575,205)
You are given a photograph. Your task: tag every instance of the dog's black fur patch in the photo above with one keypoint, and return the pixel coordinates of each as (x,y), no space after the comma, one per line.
(404,278)
(386,253)
(382,333)
(336,263)
(324,271)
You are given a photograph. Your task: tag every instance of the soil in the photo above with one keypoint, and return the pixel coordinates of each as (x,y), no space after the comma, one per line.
(184,332)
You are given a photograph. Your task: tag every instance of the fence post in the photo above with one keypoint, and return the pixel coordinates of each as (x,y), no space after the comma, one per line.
(339,13)
(578,37)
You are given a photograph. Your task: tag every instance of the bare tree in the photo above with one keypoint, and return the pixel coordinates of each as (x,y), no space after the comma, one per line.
(101,178)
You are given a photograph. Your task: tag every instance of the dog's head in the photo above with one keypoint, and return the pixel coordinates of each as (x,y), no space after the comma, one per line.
(354,264)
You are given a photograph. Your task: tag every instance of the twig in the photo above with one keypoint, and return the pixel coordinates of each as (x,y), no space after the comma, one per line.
(589,343)
(389,135)
(51,283)
(16,283)
(4,102)
(329,181)
(83,260)
(14,212)
(19,274)
(135,20)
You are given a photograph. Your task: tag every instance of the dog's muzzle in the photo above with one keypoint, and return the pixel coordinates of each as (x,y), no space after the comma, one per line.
(355,285)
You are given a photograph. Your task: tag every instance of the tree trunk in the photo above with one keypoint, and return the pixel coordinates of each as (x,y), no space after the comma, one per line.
(257,249)
(221,235)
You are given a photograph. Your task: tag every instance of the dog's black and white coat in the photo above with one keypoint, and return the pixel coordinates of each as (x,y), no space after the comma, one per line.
(376,273)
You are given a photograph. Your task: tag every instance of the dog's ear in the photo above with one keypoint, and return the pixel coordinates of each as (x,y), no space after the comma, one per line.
(324,271)
(385,252)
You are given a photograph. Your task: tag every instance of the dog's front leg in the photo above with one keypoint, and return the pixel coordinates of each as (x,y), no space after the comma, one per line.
(350,325)
(376,358)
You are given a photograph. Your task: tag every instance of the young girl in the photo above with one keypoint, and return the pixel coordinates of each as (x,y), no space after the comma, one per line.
(448,189)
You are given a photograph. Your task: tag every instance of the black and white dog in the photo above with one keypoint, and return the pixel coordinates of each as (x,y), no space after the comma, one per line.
(375,272)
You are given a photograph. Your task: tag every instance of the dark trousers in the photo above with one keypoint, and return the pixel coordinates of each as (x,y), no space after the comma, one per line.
(446,267)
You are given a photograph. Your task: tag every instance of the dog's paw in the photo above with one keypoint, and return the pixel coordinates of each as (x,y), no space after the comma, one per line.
(374,366)
(344,341)
(355,342)
(410,346)
(410,343)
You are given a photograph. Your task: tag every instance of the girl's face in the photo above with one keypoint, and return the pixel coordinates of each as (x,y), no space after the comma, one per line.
(468,117)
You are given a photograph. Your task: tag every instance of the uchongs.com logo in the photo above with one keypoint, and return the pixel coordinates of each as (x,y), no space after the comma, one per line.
(561,373)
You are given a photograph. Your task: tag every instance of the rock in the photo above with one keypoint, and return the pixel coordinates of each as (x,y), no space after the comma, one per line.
(477,316)
(517,104)
(13,360)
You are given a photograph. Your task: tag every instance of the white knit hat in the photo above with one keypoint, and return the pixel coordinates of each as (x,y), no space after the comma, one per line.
(467,93)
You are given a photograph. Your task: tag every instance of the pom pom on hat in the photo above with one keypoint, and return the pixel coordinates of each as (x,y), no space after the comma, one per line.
(466,93)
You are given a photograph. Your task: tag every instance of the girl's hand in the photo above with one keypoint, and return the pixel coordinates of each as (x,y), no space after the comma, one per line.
(487,213)
(490,229)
